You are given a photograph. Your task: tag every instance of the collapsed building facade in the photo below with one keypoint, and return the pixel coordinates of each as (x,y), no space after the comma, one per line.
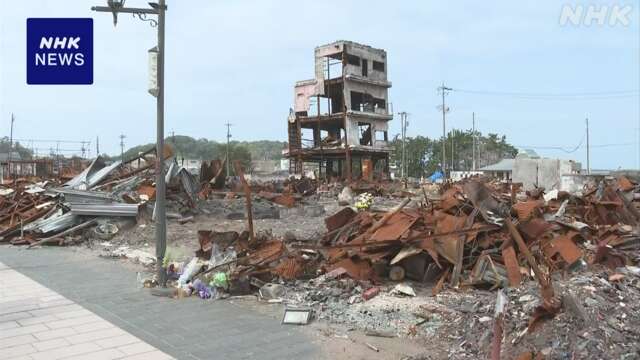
(340,118)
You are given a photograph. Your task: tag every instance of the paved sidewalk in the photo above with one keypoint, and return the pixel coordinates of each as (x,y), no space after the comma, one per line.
(102,291)
(38,323)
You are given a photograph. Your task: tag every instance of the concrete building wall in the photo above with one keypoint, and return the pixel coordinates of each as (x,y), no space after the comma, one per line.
(525,171)
(575,183)
(353,131)
(303,91)
(368,54)
(376,91)
(549,173)
(545,172)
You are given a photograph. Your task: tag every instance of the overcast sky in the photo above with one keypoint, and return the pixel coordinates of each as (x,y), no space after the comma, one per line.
(236,61)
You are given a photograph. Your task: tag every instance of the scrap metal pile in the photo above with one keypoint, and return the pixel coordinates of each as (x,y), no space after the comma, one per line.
(45,212)
(287,193)
(479,234)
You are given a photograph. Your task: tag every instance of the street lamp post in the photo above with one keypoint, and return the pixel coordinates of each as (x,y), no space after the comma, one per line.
(158,9)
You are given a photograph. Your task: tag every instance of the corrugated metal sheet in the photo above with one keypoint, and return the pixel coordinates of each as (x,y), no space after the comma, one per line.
(189,182)
(115,209)
(54,223)
(94,179)
(86,197)
(171,171)
(92,175)
(81,178)
(127,185)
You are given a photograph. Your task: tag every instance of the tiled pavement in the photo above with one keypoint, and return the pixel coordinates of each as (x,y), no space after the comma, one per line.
(57,304)
(37,323)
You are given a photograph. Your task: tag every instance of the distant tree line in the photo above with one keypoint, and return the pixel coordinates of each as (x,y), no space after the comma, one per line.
(5,145)
(203,149)
(424,155)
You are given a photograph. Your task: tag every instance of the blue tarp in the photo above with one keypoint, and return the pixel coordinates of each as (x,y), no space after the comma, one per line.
(436,176)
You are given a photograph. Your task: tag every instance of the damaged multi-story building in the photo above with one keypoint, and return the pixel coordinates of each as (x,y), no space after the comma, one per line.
(340,118)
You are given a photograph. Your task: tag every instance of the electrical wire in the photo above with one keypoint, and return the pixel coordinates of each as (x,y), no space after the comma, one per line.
(557,147)
(614,145)
(575,149)
(602,95)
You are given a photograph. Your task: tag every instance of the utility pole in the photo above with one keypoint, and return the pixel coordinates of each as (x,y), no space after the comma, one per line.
(443,89)
(122,136)
(404,147)
(11,144)
(117,6)
(453,136)
(228,137)
(173,140)
(58,156)
(588,149)
(403,131)
(473,133)
(97,146)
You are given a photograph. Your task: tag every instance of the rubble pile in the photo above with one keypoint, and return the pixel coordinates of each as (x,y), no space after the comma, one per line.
(429,266)
(49,212)
(35,212)
(286,193)
(475,236)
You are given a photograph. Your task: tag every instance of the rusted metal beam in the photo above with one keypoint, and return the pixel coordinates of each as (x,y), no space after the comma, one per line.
(386,217)
(511,264)
(59,236)
(549,301)
(524,249)
(457,267)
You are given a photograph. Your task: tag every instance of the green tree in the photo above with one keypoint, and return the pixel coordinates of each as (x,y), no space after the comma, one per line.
(204,149)
(5,145)
(424,155)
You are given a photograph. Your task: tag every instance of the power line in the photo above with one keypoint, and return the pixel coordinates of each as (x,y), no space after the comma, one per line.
(555,96)
(77,151)
(51,141)
(599,93)
(614,145)
(573,150)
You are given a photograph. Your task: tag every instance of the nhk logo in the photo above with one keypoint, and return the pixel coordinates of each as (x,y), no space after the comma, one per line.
(59,51)
(588,15)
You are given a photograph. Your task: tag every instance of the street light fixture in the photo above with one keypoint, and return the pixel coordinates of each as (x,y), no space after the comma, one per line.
(117,6)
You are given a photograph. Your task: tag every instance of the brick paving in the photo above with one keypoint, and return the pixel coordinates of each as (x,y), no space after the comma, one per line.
(38,323)
(59,304)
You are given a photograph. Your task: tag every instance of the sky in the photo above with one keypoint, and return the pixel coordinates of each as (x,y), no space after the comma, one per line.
(522,71)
